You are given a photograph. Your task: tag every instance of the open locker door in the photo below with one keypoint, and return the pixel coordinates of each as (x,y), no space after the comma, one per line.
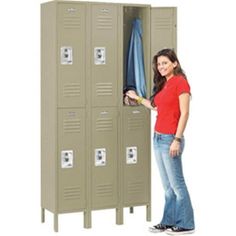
(163,30)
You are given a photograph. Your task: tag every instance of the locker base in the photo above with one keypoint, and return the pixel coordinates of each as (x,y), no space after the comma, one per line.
(88,217)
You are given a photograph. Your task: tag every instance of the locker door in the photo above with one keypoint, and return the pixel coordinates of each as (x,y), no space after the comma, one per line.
(163,28)
(104,56)
(136,155)
(71,55)
(71,159)
(104,157)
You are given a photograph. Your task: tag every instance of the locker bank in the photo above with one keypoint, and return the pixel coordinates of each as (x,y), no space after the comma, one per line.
(95,151)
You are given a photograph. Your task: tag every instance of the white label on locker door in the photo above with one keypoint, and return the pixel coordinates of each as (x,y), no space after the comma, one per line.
(100,157)
(66,56)
(67,159)
(131,155)
(99,55)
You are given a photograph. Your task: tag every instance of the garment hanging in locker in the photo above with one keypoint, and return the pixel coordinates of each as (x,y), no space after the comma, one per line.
(135,73)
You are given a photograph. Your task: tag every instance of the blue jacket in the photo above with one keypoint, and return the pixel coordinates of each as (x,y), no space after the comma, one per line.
(135,74)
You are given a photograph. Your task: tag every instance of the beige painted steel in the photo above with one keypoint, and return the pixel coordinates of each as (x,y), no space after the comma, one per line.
(71,33)
(104,35)
(136,178)
(48,107)
(163,28)
(136,133)
(104,177)
(71,137)
(82,111)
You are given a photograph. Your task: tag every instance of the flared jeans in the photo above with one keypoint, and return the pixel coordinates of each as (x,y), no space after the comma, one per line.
(178,209)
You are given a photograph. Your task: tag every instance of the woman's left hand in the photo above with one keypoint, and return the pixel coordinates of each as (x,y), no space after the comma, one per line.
(174,149)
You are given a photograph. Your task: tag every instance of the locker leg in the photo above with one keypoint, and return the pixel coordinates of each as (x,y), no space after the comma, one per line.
(56,222)
(87,219)
(42,215)
(148,212)
(131,210)
(119,216)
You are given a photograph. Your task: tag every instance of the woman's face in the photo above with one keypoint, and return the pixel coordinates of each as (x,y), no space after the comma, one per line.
(165,66)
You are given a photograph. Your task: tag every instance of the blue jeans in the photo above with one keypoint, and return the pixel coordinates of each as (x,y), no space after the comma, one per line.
(178,209)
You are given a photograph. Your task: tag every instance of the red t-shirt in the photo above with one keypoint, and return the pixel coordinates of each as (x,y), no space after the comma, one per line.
(167,103)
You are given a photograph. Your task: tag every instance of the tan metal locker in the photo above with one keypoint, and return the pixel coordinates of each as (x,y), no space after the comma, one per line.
(48,111)
(95,152)
(104,158)
(71,54)
(104,58)
(136,156)
(135,137)
(71,160)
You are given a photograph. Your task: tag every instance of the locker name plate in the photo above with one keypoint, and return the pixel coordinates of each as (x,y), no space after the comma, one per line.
(99,55)
(131,155)
(66,159)
(100,157)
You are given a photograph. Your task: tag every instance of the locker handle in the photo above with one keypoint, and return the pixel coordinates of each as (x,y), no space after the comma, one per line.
(136,112)
(104,113)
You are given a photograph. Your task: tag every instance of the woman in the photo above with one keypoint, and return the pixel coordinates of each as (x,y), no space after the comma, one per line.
(171,96)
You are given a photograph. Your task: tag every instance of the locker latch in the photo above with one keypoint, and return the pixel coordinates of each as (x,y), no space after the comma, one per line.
(100,157)
(66,56)
(131,155)
(67,159)
(99,55)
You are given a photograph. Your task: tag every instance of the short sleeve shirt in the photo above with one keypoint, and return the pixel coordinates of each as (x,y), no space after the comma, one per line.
(167,103)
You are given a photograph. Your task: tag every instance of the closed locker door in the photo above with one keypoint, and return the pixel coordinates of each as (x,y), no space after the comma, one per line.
(71,159)
(104,54)
(136,155)
(71,55)
(104,158)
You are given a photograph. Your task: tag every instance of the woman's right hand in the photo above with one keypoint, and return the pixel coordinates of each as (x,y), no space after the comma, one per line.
(132,94)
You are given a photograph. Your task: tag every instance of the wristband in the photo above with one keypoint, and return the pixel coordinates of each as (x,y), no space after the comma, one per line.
(177,139)
(139,100)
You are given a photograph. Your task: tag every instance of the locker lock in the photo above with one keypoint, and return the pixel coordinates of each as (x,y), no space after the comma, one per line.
(99,55)
(100,157)
(67,159)
(131,155)
(66,56)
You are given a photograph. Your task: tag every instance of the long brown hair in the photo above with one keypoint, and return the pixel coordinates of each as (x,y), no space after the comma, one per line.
(158,79)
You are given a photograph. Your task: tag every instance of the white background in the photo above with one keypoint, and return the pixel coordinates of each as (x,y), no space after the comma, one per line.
(206,49)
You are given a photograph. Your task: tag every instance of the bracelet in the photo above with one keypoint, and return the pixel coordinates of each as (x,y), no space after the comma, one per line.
(139,100)
(177,139)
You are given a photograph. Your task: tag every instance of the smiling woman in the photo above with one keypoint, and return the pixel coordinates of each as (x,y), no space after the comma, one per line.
(166,67)
(171,95)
